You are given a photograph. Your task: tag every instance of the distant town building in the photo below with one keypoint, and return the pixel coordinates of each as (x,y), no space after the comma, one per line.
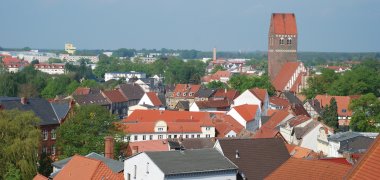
(51,68)
(282,42)
(125,75)
(67,57)
(69,48)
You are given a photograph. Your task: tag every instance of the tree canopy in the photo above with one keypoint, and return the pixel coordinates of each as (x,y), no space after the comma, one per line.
(366,117)
(330,114)
(85,131)
(244,82)
(19,131)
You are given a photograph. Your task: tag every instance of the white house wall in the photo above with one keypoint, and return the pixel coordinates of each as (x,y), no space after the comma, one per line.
(141,161)
(247,98)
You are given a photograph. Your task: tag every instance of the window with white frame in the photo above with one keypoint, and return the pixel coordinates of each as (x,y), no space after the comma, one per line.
(53,134)
(289,41)
(144,137)
(147,167)
(53,149)
(282,41)
(184,94)
(169,136)
(44,149)
(160,129)
(135,137)
(192,136)
(135,172)
(208,135)
(45,134)
(208,128)
(198,135)
(150,137)
(160,136)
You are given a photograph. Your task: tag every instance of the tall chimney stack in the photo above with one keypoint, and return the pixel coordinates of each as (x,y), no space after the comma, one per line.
(214,55)
(109,144)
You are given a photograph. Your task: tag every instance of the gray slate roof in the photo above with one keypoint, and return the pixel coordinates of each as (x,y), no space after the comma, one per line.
(190,161)
(40,107)
(341,136)
(205,93)
(115,166)
(61,108)
(97,99)
(292,98)
(258,157)
(357,144)
(132,91)
(316,105)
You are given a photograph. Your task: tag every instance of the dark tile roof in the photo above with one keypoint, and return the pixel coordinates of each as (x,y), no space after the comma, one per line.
(357,144)
(258,157)
(182,105)
(314,103)
(132,91)
(298,109)
(198,143)
(205,93)
(190,161)
(61,108)
(41,107)
(97,99)
(342,136)
(300,132)
(292,98)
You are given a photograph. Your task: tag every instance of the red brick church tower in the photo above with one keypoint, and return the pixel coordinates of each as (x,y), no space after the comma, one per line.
(282,42)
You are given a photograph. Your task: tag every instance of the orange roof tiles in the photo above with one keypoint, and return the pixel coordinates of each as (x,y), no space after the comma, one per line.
(285,74)
(299,152)
(247,111)
(229,94)
(284,23)
(259,93)
(115,96)
(185,90)
(342,102)
(154,98)
(80,167)
(40,177)
(368,166)
(225,123)
(213,104)
(269,130)
(152,145)
(309,169)
(82,91)
(279,101)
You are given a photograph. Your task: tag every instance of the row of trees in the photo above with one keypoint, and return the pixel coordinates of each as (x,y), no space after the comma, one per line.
(174,70)
(362,79)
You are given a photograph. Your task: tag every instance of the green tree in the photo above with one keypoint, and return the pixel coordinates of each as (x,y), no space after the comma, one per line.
(244,82)
(72,87)
(89,83)
(54,60)
(366,116)
(13,173)
(8,84)
(216,85)
(18,130)
(330,114)
(85,132)
(56,86)
(217,68)
(44,165)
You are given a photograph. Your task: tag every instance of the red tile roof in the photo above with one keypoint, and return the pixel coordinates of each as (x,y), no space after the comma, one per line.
(259,93)
(40,177)
(229,94)
(285,74)
(298,120)
(115,96)
(279,101)
(213,104)
(151,145)
(369,165)
(186,90)
(80,167)
(154,98)
(269,130)
(225,123)
(144,121)
(342,102)
(247,111)
(82,91)
(284,23)
(337,160)
(309,169)
(300,152)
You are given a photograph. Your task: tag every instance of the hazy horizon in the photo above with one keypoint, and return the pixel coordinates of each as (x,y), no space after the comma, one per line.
(323,26)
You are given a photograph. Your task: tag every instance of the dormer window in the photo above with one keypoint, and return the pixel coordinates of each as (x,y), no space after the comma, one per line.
(289,41)
(191,94)
(184,94)
(178,93)
(282,41)
(160,129)
(344,110)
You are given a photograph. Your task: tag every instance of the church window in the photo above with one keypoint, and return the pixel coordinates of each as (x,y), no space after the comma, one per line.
(282,41)
(289,41)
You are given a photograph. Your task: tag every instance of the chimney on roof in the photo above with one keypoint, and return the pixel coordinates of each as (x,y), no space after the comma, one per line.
(109,144)
(237,154)
(214,55)
(24,100)
(135,149)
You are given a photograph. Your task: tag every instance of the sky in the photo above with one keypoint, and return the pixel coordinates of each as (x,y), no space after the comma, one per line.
(228,25)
